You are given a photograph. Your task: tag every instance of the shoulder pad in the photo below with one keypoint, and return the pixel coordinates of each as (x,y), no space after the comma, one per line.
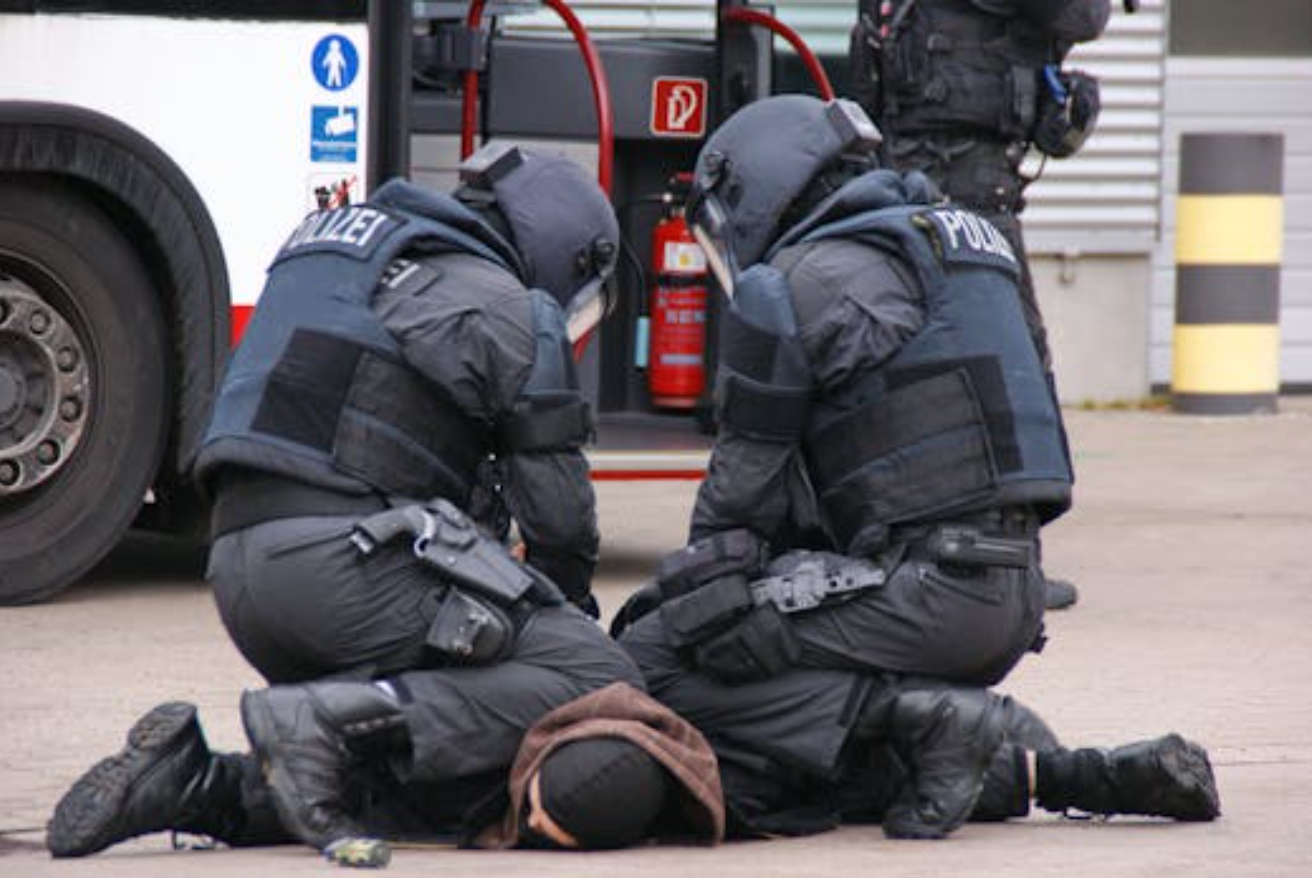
(357,230)
(963,238)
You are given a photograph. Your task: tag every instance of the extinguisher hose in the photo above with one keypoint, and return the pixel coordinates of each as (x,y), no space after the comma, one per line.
(627,250)
(743,15)
(596,75)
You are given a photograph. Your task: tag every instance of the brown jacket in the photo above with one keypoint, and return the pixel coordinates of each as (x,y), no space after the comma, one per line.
(621,711)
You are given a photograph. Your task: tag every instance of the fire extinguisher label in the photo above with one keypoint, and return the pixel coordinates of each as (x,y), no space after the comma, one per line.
(683,257)
(678,107)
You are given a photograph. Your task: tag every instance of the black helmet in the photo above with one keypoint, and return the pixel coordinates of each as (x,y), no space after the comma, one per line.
(561,223)
(761,161)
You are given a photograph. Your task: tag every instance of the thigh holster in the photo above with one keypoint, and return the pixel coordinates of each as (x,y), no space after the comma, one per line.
(489,593)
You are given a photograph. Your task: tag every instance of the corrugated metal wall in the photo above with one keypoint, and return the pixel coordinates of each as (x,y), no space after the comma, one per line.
(626,18)
(1229,94)
(1106,199)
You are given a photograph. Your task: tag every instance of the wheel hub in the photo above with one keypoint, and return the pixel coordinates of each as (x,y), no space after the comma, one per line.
(44,389)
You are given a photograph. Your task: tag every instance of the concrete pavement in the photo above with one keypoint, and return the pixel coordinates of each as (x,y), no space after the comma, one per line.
(1189,543)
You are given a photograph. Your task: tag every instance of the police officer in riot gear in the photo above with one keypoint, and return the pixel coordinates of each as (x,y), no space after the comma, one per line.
(407,373)
(888,447)
(962,89)
(863,557)
(410,349)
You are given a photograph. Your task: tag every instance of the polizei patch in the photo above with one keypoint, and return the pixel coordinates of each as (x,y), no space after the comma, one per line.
(356,230)
(967,237)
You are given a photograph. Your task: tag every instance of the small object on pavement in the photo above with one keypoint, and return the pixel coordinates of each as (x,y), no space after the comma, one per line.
(359,853)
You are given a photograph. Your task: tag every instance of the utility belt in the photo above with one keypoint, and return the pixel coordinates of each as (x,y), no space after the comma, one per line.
(994,538)
(245,498)
(490,594)
(731,621)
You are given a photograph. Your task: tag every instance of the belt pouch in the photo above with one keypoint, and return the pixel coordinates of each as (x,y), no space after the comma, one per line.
(469,631)
(701,613)
(760,646)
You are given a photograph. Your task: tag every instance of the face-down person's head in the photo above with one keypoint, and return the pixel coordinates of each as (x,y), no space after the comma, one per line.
(594,793)
(766,166)
(558,220)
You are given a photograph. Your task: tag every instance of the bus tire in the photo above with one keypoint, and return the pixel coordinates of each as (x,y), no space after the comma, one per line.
(83,418)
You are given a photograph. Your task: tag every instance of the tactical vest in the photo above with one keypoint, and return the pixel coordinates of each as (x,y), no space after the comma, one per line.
(962,418)
(951,68)
(317,391)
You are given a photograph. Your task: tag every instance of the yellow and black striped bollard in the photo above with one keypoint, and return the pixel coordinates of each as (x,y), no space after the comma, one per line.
(1229,229)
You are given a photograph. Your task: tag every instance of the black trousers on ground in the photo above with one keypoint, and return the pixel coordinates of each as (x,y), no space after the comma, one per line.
(797,731)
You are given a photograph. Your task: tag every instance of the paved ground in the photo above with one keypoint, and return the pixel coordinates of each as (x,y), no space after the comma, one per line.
(1189,542)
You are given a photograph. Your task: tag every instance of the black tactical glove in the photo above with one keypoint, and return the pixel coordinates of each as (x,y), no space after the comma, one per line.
(1068,112)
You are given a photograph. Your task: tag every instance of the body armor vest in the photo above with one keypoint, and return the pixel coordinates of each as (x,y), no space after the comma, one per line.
(962,418)
(948,67)
(318,391)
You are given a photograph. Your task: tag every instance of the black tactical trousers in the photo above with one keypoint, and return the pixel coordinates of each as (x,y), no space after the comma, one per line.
(924,621)
(465,727)
(794,756)
(301,604)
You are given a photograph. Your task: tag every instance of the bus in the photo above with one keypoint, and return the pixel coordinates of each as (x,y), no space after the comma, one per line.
(154,154)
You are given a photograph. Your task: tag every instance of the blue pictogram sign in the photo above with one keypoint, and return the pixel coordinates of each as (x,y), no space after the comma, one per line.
(334,134)
(335,62)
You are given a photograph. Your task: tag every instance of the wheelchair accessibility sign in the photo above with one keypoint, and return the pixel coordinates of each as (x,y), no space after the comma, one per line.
(334,134)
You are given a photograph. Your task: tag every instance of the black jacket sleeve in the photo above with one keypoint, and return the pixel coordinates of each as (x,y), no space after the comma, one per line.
(471,329)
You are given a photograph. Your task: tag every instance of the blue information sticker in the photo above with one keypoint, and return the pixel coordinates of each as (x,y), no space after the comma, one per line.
(334,134)
(335,62)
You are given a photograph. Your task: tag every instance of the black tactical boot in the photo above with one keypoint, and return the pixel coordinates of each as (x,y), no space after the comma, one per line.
(165,778)
(308,738)
(1059,594)
(947,738)
(1166,777)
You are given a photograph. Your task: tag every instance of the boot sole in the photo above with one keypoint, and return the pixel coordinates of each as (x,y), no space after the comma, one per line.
(1190,771)
(85,819)
(260,729)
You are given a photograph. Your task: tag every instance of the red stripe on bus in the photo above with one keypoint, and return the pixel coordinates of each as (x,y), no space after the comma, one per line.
(647,475)
(241,315)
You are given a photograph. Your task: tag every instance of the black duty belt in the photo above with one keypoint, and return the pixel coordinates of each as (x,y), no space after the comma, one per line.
(247,499)
(995,538)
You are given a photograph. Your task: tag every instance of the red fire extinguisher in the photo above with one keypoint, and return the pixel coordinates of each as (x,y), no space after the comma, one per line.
(676,366)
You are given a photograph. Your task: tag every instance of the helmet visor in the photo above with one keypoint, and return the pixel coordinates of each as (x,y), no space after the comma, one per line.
(587,308)
(710,228)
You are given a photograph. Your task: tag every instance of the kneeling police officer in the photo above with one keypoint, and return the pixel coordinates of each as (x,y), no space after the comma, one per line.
(407,374)
(888,448)
(412,349)
(863,557)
